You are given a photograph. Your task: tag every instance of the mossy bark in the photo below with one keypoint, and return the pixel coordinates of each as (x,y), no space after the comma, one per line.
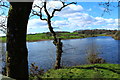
(16,60)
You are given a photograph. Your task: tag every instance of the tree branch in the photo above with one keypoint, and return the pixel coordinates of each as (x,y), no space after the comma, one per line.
(38,13)
(106,6)
(3,4)
(2,25)
(61,8)
(46,10)
(49,16)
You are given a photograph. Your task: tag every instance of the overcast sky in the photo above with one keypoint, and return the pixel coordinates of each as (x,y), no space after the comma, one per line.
(83,15)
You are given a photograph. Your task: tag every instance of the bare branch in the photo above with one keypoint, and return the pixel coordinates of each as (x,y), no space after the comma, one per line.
(46,9)
(35,13)
(3,27)
(38,13)
(61,8)
(3,4)
(48,19)
(107,6)
(36,6)
(3,18)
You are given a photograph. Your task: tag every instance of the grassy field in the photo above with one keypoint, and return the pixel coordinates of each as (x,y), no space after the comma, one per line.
(45,36)
(85,71)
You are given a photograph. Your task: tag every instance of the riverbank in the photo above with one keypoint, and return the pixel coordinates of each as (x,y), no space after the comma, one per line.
(117,35)
(63,36)
(84,71)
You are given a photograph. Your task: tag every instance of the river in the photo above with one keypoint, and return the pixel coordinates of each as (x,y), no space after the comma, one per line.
(75,51)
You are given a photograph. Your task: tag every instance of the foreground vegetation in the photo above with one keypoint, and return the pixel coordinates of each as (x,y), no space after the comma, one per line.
(84,71)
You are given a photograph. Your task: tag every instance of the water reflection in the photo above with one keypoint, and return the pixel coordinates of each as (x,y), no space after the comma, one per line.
(43,53)
(2,56)
(74,51)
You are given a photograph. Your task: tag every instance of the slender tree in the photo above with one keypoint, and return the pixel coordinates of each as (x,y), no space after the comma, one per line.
(57,41)
(17,61)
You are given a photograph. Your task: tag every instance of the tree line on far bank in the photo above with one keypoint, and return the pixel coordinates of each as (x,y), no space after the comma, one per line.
(87,31)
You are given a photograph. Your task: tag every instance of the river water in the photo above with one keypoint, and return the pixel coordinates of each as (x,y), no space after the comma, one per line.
(75,51)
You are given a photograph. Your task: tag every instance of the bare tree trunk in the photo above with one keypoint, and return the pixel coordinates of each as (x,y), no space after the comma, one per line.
(58,44)
(59,54)
(17,62)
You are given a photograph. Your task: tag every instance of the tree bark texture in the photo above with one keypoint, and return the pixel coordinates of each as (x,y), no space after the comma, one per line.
(17,54)
(58,54)
(57,43)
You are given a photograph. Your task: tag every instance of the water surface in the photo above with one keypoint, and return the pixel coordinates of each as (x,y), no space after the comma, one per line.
(75,51)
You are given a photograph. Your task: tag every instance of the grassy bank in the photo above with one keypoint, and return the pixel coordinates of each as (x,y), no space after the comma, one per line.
(46,36)
(84,71)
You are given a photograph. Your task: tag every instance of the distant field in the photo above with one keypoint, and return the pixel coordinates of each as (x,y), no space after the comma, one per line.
(48,36)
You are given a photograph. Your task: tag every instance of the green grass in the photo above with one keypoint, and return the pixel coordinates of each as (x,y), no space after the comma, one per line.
(2,39)
(85,71)
(45,36)
(37,37)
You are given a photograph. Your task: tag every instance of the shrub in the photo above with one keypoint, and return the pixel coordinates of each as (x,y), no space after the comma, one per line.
(93,59)
(35,72)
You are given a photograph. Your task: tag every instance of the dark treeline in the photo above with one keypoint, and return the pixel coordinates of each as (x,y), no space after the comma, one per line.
(96,31)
